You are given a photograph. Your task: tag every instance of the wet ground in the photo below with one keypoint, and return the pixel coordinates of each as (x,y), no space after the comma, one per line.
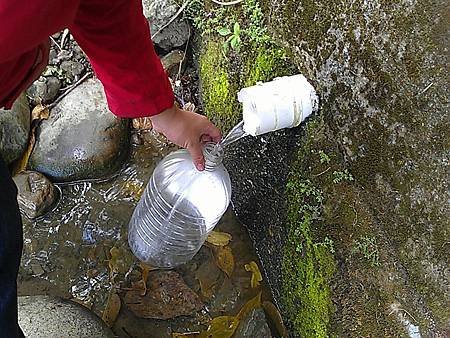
(79,251)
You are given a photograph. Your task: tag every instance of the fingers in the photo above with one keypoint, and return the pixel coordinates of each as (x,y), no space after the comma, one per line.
(197,155)
(213,132)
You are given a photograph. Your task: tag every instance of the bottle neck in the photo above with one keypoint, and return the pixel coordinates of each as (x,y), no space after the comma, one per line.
(213,154)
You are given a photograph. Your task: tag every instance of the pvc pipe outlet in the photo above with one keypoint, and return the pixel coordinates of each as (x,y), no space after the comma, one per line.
(284,102)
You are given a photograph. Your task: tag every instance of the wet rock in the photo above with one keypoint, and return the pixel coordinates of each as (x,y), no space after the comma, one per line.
(159,13)
(14,129)
(171,62)
(167,297)
(36,193)
(47,317)
(82,139)
(45,89)
(253,325)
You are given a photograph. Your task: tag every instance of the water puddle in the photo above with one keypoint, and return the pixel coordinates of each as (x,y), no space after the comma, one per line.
(79,250)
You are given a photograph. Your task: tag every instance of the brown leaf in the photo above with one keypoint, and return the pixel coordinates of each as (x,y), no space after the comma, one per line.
(256,273)
(112,309)
(253,303)
(224,259)
(275,317)
(218,238)
(167,297)
(221,327)
(40,112)
(142,283)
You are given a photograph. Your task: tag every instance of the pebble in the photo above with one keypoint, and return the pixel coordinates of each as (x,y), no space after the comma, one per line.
(36,194)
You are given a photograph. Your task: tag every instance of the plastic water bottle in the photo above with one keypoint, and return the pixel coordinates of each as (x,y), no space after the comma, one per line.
(179,207)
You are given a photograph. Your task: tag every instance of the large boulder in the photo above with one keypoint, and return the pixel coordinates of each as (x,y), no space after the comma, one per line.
(14,129)
(50,317)
(159,13)
(349,214)
(82,139)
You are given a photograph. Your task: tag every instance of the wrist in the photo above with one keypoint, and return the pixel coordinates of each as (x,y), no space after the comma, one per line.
(164,118)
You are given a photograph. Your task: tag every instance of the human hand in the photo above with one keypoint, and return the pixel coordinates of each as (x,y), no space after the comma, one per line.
(188,130)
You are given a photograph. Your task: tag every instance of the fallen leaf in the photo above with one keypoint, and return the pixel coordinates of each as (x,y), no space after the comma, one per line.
(39,113)
(256,273)
(224,259)
(275,317)
(142,283)
(167,297)
(221,327)
(218,238)
(87,305)
(112,309)
(253,303)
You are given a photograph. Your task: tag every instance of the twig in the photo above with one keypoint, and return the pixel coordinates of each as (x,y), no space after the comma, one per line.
(172,19)
(76,84)
(63,38)
(426,88)
(231,3)
(323,172)
(56,44)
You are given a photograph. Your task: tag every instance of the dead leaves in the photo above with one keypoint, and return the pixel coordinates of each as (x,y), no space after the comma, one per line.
(225,326)
(112,309)
(224,259)
(218,238)
(275,317)
(256,273)
(39,113)
(221,327)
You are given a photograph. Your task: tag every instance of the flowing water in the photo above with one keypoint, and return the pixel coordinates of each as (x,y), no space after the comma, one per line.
(67,252)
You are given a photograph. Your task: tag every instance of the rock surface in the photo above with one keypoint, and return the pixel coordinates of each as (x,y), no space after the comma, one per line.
(253,325)
(350,212)
(49,317)
(82,139)
(159,13)
(167,297)
(14,129)
(36,194)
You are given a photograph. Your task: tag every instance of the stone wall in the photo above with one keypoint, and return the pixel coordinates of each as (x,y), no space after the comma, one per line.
(349,213)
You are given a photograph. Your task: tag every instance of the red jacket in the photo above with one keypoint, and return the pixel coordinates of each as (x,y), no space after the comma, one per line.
(113,33)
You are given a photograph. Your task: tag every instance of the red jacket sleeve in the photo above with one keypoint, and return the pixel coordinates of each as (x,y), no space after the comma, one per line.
(115,35)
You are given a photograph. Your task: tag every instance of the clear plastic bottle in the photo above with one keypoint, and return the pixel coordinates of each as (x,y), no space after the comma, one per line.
(179,207)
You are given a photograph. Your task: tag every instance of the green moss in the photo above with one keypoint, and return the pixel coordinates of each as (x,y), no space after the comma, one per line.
(218,94)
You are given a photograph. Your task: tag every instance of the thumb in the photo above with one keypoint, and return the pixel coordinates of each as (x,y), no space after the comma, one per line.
(197,155)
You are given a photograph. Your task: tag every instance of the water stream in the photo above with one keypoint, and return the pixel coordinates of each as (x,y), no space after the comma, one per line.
(67,251)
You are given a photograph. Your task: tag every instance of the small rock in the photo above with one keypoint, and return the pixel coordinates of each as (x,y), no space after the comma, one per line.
(254,325)
(45,89)
(50,317)
(82,139)
(72,69)
(14,129)
(167,297)
(171,62)
(159,13)
(36,193)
